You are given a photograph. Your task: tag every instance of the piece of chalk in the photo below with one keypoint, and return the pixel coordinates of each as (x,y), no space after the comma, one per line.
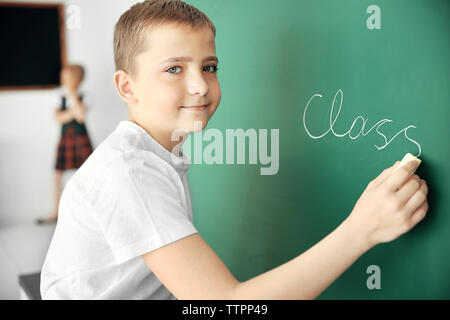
(407,158)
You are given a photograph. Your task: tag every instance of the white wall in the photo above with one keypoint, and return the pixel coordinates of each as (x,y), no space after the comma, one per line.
(28,132)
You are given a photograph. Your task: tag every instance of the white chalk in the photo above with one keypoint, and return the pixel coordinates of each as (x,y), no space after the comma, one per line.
(407,158)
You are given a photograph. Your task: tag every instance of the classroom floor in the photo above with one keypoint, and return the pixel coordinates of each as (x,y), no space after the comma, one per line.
(22,250)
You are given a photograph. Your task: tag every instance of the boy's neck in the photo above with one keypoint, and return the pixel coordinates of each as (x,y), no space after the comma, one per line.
(163,138)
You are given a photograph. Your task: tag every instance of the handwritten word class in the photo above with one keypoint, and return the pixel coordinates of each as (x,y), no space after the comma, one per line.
(339,94)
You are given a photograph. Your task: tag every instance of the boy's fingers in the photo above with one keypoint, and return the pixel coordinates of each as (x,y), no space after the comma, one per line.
(396,180)
(384,175)
(411,186)
(417,198)
(419,214)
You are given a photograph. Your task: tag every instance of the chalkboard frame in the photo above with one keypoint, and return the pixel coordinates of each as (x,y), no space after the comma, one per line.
(62,38)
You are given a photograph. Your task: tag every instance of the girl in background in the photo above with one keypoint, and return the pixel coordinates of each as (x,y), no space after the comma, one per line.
(74,145)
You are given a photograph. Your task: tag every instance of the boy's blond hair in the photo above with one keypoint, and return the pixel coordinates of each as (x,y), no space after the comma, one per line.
(130,30)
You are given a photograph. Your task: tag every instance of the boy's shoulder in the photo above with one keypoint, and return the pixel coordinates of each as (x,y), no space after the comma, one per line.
(123,151)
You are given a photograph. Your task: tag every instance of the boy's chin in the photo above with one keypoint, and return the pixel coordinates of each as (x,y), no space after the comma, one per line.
(195,126)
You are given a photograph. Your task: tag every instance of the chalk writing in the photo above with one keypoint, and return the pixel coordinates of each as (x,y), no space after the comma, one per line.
(377,125)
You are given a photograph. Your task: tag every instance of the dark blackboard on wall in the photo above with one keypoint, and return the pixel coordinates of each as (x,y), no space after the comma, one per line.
(32,45)
(275,56)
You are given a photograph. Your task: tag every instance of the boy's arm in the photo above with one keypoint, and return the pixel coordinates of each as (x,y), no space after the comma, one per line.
(392,204)
(309,274)
(190,269)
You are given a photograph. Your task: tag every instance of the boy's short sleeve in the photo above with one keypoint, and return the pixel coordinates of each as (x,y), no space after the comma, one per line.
(139,205)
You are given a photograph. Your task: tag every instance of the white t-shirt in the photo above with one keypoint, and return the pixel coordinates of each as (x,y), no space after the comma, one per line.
(131,196)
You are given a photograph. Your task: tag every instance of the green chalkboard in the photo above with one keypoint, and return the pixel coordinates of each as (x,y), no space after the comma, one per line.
(387,67)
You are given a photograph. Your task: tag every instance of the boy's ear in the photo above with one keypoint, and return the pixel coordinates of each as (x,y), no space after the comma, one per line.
(124,86)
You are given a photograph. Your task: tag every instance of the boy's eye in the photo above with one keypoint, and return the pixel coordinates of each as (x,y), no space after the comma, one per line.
(211,68)
(214,70)
(172,68)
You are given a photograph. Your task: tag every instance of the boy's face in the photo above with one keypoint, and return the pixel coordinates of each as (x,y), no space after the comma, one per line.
(166,89)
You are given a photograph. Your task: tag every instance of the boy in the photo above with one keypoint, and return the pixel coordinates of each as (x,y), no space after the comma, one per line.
(125,229)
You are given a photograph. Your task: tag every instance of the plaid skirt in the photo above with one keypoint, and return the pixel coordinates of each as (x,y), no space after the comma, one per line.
(74,147)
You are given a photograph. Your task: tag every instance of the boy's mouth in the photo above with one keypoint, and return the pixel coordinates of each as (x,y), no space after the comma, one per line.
(199,107)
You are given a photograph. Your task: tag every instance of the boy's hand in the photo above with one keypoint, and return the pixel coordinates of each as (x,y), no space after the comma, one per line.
(391,205)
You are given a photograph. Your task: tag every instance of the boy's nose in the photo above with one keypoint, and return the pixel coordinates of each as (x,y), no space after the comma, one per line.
(197,85)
